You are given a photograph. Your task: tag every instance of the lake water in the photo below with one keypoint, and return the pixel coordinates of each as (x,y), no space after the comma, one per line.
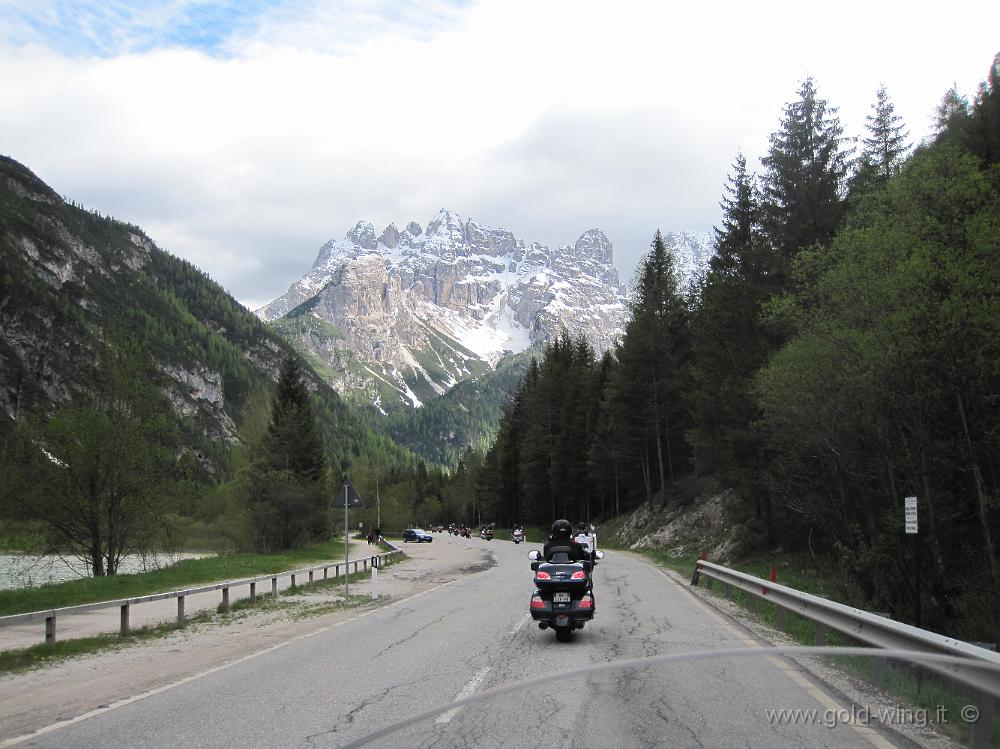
(27,570)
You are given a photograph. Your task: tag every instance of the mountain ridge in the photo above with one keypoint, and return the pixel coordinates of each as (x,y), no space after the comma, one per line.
(73,281)
(422,309)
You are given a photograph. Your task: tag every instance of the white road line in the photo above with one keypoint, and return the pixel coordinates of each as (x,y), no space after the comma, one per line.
(520,624)
(194,677)
(467,691)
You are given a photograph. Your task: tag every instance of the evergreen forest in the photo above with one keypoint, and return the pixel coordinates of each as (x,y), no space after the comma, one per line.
(841,353)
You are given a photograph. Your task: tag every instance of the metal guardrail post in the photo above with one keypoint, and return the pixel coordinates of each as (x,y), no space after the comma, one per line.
(124,620)
(180,608)
(50,629)
(293,580)
(820,634)
(782,615)
(253,593)
(310,575)
(225,599)
(274,587)
(981,730)
(878,671)
(326,571)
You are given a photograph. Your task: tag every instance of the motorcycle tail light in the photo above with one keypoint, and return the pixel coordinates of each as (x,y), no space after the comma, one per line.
(537,603)
(542,575)
(579,575)
(585,603)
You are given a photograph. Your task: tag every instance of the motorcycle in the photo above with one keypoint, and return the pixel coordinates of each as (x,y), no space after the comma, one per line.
(517,535)
(564,600)
(466,532)
(486,534)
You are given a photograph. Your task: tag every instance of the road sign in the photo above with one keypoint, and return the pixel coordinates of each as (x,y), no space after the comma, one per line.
(910,515)
(354,501)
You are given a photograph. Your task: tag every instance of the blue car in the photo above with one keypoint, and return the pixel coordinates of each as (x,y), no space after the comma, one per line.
(419,535)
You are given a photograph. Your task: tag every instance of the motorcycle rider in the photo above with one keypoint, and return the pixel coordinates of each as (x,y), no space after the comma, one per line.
(562,537)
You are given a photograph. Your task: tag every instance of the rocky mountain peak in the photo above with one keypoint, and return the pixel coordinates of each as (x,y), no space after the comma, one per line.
(594,245)
(363,235)
(448,226)
(390,237)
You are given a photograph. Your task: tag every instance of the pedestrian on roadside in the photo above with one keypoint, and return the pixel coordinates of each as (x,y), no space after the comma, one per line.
(371,537)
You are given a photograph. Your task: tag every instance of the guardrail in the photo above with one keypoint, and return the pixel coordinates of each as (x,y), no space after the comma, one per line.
(976,672)
(861,625)
(125,604)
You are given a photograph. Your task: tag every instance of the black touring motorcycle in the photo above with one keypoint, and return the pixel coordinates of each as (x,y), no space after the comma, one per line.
(564,598)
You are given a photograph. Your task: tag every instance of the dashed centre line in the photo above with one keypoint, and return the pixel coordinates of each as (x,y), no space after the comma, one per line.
(467,691)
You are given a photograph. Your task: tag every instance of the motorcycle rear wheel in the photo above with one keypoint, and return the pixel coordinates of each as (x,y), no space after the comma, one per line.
(564,634)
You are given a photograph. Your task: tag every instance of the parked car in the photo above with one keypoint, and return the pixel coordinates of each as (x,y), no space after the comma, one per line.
(418,535)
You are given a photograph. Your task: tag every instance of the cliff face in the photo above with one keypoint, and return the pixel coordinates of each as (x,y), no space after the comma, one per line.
(72,283)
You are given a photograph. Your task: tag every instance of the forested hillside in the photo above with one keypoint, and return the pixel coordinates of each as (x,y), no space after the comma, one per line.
(841,354)
(99,325)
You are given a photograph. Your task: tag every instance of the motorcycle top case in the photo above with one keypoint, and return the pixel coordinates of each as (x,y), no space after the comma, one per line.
(560,577)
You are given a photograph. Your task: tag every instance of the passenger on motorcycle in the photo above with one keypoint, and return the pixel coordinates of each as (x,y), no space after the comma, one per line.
(582,537)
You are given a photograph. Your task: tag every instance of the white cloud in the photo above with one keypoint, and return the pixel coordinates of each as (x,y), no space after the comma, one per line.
(245,155)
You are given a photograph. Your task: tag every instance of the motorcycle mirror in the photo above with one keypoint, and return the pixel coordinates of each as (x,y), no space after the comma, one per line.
(534,555)
(599,554)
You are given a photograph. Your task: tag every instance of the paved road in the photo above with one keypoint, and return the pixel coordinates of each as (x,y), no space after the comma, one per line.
(471,635)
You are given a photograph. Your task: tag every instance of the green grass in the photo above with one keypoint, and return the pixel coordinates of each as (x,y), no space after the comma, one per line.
(187,573)
(24,659)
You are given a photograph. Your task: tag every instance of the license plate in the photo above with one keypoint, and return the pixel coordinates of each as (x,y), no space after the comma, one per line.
(561,597)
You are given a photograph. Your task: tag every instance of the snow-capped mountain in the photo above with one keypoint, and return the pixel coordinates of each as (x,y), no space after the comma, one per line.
(691,252)
(406,314)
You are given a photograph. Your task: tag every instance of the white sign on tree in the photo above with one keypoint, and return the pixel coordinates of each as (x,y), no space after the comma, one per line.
(910,514)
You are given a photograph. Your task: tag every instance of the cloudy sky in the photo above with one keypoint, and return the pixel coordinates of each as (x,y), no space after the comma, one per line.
(243,134)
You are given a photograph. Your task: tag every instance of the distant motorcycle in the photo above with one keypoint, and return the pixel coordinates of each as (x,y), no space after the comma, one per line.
(517,535)
(466,532)
(486,534)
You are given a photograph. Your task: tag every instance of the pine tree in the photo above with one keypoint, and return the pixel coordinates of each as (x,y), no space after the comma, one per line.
(886,144)
(805,172)
(738,243)
(729,339)
(293,442)
(285,487)
(647,409)
(985,125)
